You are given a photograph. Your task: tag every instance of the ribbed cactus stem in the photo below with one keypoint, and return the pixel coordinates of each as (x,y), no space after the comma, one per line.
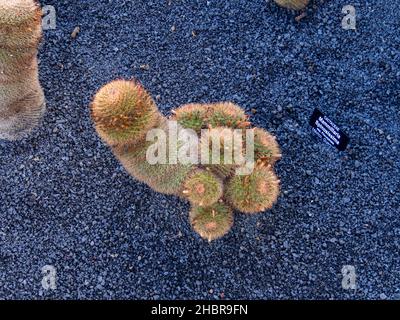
(123,113)
(22,102)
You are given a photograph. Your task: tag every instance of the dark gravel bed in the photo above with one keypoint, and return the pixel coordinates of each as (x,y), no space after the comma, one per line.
(66,201)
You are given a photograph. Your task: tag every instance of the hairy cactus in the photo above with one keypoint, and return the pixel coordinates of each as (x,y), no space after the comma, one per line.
(162,177)
(212,222)
(203,188)
(202,116)
(125,116)
(266,148)
(253,193)
(22,102)
(293,4)
(220,160)
(123,113)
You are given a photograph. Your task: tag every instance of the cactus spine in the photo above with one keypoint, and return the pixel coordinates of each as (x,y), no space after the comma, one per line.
(124,113)
(203,188)
(203,116)
(254,193)
(211,222)
(22,102)
(266,148)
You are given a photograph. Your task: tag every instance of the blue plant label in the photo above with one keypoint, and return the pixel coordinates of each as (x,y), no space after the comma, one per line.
(328,131)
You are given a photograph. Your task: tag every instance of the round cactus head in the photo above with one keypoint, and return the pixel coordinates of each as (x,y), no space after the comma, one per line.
(20,24)
(293,4)
(202,116)
(203,188)
(123,112)
(253,193)
(212,222)
(266,148)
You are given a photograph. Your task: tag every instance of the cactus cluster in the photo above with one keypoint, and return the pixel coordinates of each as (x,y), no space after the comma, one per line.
(22,102)
(124,113)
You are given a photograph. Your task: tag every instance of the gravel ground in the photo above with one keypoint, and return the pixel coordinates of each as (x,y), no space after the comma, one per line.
(66,201)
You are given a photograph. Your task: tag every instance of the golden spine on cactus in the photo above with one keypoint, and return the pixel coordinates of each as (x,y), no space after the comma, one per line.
(22,102)
(266,148)
(211,222)
(21,24)
(202,188)
(202,116)
(123,112)
(162,177)
(254,193)
(293,4)
(218,147)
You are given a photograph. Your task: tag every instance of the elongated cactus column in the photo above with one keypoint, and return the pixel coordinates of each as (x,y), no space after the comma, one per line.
(22,102)
(123,113)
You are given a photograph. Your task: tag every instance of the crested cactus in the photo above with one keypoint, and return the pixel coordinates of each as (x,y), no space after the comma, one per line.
(293,4)
(253,193)
(22,102)
(203,188)
(212,222)
(125,116)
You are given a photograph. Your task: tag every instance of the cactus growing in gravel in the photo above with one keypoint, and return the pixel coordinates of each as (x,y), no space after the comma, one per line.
(203,188)
(222,162)
(22,102)
(211,222)
(293,4)
(266,148)
(124,113)
(202,116)
(163,178)
(253,193)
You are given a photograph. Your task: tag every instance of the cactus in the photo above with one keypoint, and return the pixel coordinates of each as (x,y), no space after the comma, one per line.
(293,4)
(202,116)
(221,163)
(124,113)
(254,193)
(266,148)
(202,188)
(163,178)
(212,222)
(22,102)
